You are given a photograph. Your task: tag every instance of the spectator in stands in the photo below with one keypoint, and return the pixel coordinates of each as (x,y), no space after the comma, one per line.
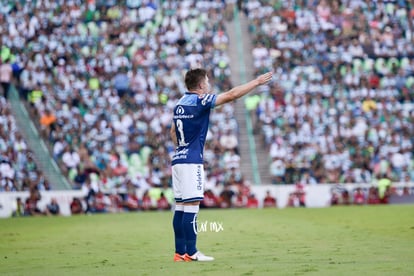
(19,144)
(7,176)
(231,160)
(100,203)
(359,196)
(277,171)
(76,206)
(307,179)
(43,184)
(269,201)
(229,141)
(335,198)
(147,204)
(52,208)
(233,176)
(240,200)
(122,82)
(131,201)
(70,159)
(6,73)
(118,167)
(47,123)
(346,198)
(115,202)
(373,197)
(31,204)
(80,179)
(59,147)
(226,197)
(406,191)
(89,190)
(252,201)
(389,191)
(297,198)
(210,200)
(162,203)
(383,186)
(19,211)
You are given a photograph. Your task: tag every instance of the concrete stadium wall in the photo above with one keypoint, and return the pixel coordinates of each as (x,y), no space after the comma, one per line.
(317,196)
(64,198)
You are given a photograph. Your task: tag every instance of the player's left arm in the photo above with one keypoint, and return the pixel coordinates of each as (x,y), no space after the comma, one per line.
(173,135)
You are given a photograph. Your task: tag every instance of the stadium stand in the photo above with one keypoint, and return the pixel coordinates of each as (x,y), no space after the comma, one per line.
(100,79)
(343,109)
(18,171)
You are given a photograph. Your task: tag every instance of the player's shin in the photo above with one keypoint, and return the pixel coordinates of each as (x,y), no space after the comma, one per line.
(179,230)
(190,227)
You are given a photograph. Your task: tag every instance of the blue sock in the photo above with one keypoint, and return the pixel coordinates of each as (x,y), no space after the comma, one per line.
(178,230)
(190,228)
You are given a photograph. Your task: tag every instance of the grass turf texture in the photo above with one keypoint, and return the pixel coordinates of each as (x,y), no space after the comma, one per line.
(365,240)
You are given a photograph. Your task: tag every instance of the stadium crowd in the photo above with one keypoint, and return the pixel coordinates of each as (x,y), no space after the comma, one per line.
(101,77)
(18,169)
(343,109)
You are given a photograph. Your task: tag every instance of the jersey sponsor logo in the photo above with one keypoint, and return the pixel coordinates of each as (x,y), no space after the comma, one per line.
(183,116)
(180,113)
(181,154)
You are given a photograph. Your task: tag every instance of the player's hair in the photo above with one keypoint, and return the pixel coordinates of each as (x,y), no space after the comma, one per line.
(194,77)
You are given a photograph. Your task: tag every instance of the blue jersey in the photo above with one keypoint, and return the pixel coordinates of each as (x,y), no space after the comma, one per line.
(191,119)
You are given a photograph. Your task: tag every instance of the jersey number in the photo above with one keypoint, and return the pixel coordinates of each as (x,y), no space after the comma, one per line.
(181,138)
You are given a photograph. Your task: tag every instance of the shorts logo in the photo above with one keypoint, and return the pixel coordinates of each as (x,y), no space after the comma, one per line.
(199,180)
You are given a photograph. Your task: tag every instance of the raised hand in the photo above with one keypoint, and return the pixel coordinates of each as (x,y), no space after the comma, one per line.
(265,78)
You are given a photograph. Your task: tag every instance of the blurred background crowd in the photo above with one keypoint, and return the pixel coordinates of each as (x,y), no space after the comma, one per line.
(343,109)
(100,79)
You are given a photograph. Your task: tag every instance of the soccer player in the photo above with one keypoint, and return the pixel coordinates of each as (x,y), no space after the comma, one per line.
(188,131)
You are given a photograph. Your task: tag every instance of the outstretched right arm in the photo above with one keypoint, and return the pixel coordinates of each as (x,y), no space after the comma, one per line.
(241,90)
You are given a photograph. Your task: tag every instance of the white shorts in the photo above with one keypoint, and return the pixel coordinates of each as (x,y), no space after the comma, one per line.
(188,182)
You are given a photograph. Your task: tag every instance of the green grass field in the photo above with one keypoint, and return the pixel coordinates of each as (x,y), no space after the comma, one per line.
(366,240)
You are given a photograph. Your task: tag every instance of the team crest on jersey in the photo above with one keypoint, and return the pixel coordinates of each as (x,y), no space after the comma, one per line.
(180,110)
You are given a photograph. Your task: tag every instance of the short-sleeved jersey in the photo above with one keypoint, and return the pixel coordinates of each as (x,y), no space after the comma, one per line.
(191,119)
